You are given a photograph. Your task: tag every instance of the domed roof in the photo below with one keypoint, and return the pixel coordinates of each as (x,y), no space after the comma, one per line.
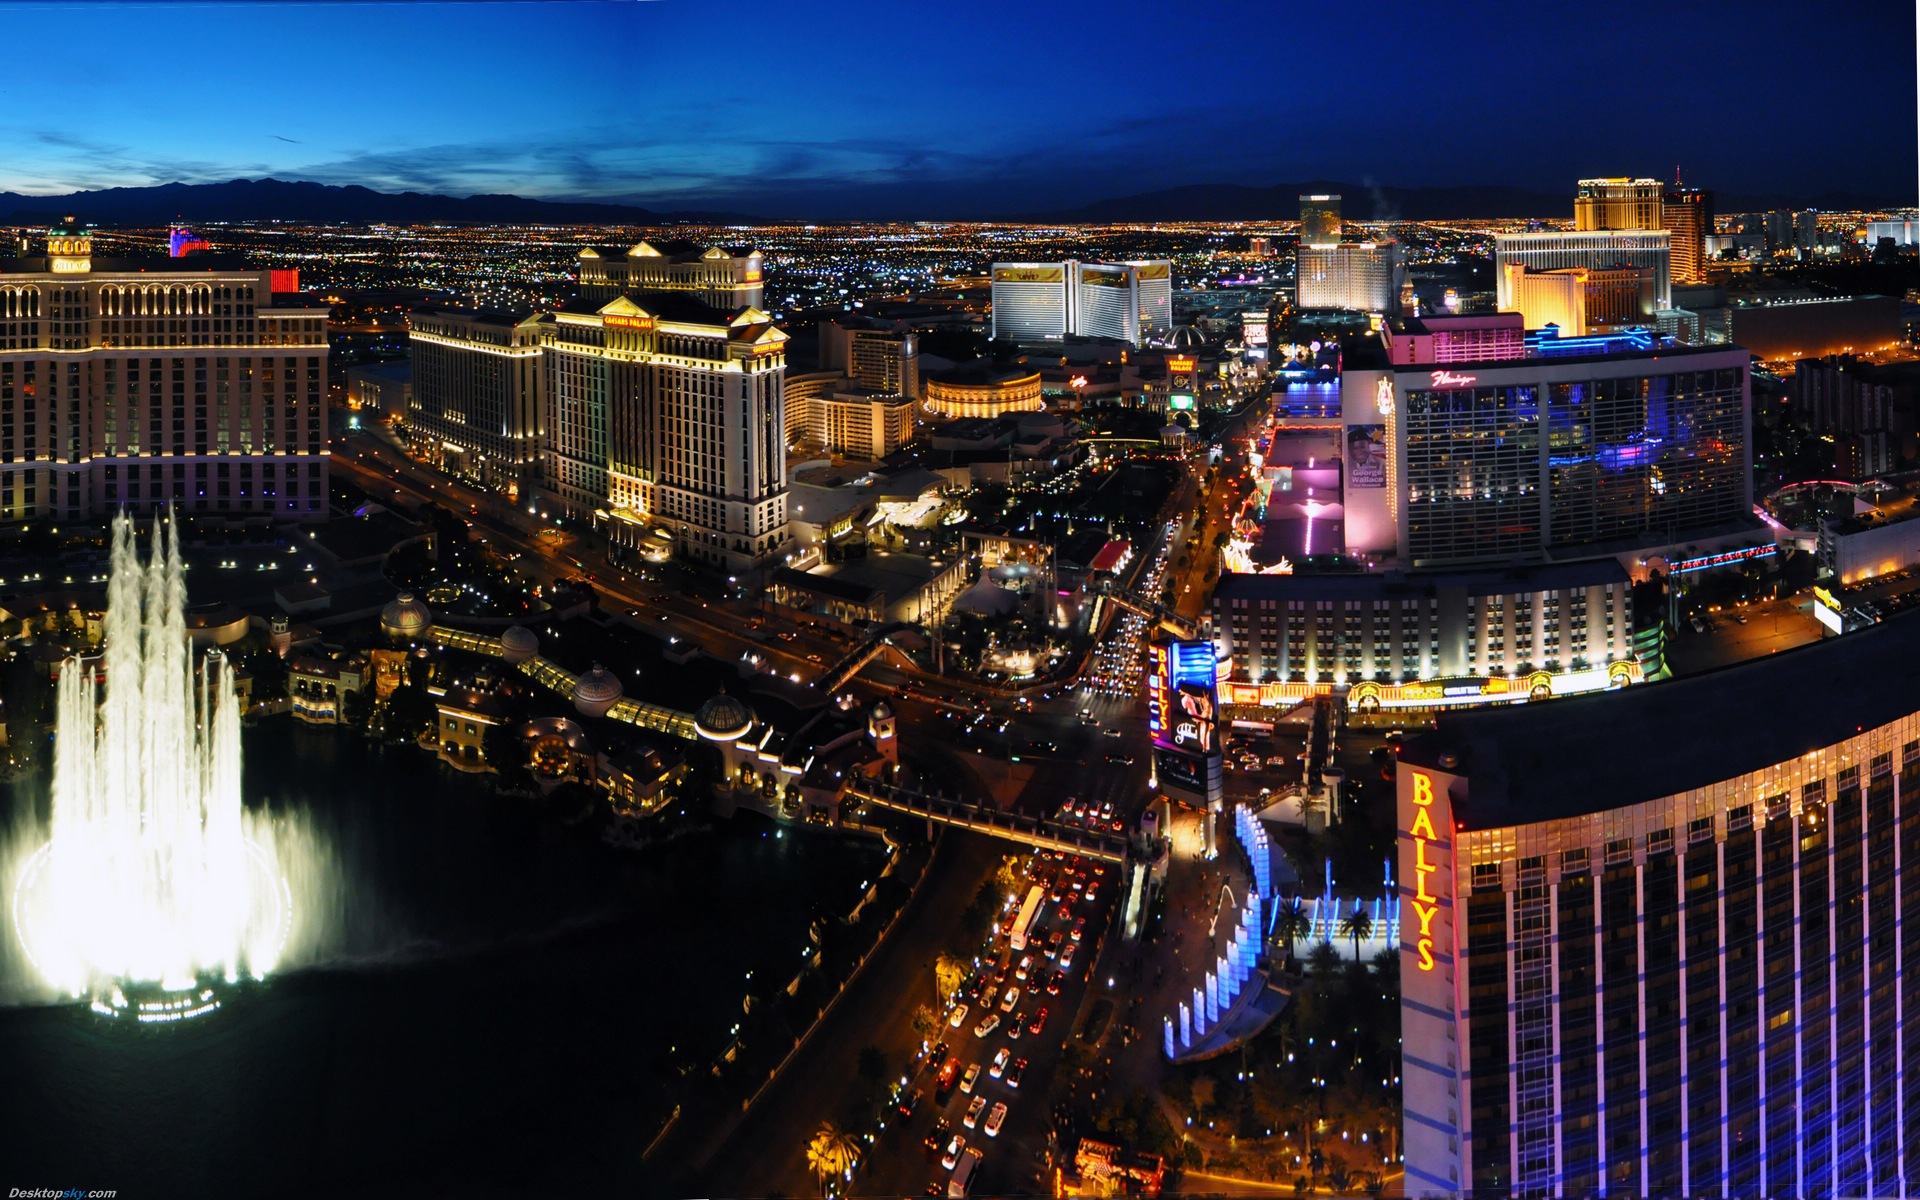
(405,617)
(519,643)
(596,691)
(881,710)
(1187,338)
(987,599)
(723,718)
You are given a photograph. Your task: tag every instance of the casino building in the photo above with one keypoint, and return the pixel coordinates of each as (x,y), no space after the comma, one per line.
(1036,303)
(1546,458)
(1656,943)
(141,383)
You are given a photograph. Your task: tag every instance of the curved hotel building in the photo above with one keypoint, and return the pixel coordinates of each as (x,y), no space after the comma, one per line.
(1656,943)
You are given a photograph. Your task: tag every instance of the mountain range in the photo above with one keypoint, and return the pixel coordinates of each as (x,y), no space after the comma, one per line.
(289,200)
(300,201)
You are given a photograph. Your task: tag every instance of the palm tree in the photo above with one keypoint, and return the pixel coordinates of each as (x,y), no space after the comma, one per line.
(948,972)
(1292,923)
(831,1153)
(1356,925)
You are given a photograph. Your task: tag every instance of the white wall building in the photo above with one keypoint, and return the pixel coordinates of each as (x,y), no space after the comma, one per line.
(1362,276)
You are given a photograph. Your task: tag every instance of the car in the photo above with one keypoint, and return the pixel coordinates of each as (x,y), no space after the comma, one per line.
(996,1119)
(1026,965)
(1066,958)
(1010,999)
(1053,984)
(1055,939)
(972,1118)
(947,1074)
(969,1079)
(909,1100)
(987,1026)
(1039,1021)
(1014,1072)
(1112,733)
(1078,884)
(987,997)
(1017,1023)
(999,1067)
(1079,930)
(1093,890)
(958,1018)
(942,1130)
(955,1148)
(938,1052)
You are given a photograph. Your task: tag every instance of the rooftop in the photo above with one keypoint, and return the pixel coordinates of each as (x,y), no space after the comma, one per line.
(1586,754)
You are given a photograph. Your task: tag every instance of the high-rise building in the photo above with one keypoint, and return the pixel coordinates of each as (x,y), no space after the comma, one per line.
(1806,231)
(663,412)
(1397,627)
(1362,276)
(142,383)
(1580,300)
(1320,220)
(1649,248)
(871,355)
(1617,203)
(1687,215)
(1545,458)
(1260,247)
(1661,942)
(474,408)
(826,411)
(1048,302)
(726,278)
(1779,231)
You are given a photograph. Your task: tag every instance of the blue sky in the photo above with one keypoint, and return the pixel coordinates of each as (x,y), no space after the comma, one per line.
(859,107)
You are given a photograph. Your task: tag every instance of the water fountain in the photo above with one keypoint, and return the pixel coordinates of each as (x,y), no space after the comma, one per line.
(155,891)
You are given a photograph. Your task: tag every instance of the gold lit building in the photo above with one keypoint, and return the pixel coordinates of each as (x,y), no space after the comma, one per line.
(141,383)
(1617,203)
(971,392)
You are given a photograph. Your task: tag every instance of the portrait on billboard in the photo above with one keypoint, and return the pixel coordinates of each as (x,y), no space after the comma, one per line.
(1193,728)
(1367,456)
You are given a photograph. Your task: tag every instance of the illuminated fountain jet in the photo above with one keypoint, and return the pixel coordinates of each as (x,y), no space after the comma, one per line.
(151,887)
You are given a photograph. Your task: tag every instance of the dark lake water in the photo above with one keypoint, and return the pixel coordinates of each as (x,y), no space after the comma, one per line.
(486,1013)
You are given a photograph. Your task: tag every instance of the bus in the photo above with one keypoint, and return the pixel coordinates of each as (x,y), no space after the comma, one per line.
(1029,915)
(962,1181)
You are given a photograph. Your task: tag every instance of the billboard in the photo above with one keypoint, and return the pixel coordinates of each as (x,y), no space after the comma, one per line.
(1181,706)
(1155,271)
(1029,274)
(1366,456)
(1179,402)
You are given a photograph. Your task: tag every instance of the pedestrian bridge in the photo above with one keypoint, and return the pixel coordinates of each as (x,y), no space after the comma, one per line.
(1160,614)
(1037,832)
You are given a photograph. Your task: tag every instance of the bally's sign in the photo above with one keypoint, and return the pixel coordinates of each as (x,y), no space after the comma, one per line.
(1425,904)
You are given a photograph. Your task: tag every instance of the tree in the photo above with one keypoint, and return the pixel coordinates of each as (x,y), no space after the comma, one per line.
(831,1153)
(1008,876)
(1292,923)
(926,1022)
(1356,925)
(948,972)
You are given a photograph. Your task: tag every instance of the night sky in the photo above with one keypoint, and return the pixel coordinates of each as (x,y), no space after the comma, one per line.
(883,108)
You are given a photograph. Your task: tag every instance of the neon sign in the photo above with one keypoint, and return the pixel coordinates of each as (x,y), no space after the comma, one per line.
(1447,379)
(1706,562)
(620,322)
(1383,396)
(1425,905)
